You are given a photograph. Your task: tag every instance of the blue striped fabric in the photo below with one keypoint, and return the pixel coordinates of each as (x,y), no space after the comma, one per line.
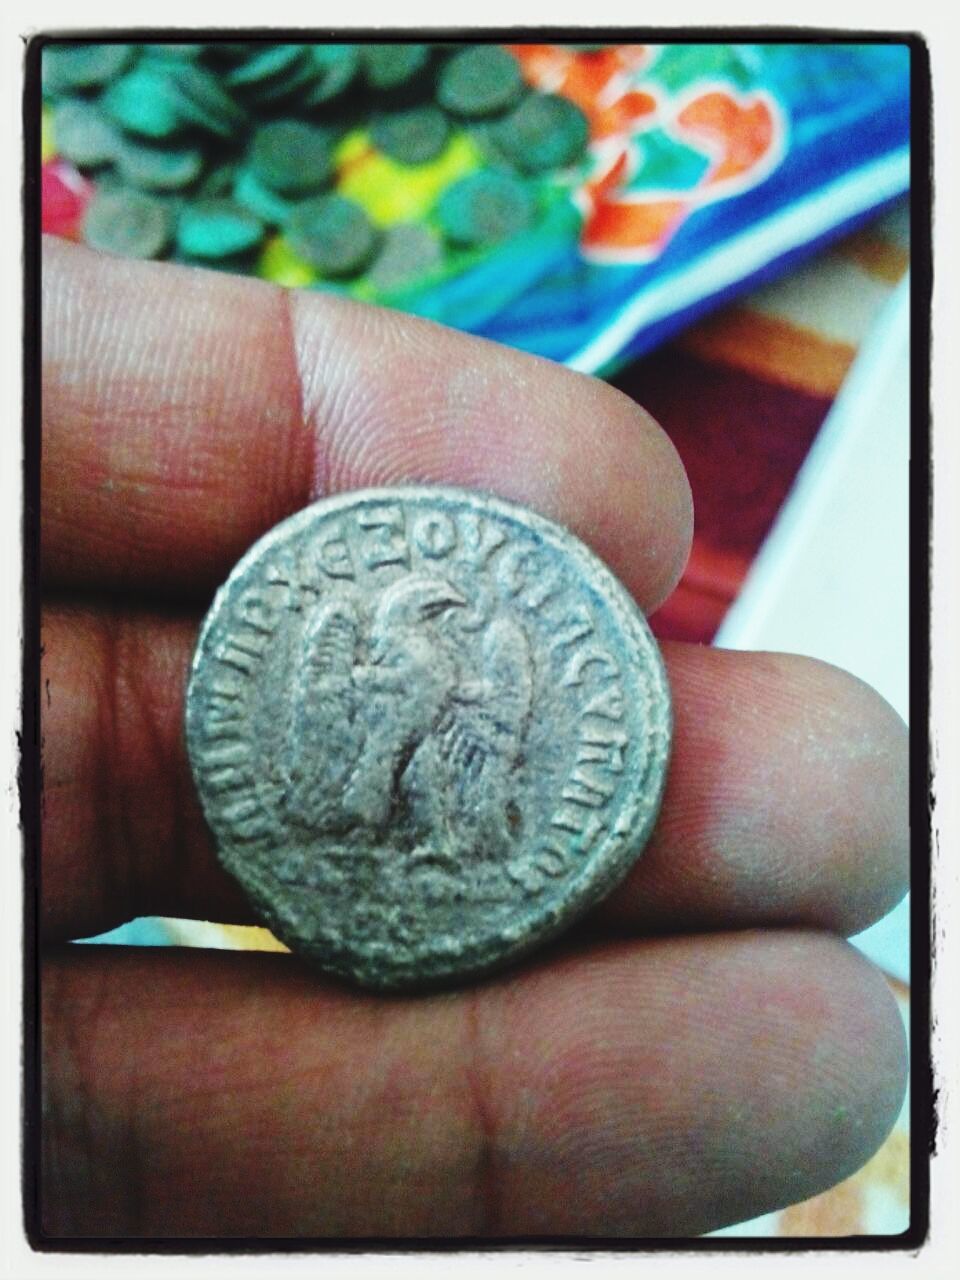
(843,111)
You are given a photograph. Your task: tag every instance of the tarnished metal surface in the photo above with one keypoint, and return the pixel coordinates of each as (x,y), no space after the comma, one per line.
(429,728)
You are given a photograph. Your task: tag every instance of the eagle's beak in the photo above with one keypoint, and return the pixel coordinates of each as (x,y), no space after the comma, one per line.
(417,598)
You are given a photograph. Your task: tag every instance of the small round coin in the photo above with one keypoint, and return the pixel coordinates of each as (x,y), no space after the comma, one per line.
(480,81)
(266,204)
(391,66)
(485,207)
(158,168)
(545,132)
(145,101)
(220,180)
(428,728)
(127,223)
(264,64)
(409,254)
(82,66)
(289,83)
(83,134)
(412,137)
(291,157)
(332,234)
(217,228)
(335,66)
(202,101)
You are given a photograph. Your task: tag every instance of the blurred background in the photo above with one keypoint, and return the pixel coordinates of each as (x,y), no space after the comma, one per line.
(720,230)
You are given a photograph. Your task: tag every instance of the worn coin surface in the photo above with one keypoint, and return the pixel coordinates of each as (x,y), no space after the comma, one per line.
(429,728)
(486,207)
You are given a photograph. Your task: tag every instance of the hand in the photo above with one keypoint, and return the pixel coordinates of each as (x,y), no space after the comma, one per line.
(705,1047)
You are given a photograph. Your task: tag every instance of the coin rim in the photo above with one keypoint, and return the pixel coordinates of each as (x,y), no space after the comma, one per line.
(605,866)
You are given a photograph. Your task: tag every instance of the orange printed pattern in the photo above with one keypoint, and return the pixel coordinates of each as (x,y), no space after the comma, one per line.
(622,225)
(741,134)
(591,80)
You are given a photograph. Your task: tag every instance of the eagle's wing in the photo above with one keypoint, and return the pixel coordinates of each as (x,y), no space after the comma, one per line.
(330,641)
(323,740)
(509,678)
(485,722)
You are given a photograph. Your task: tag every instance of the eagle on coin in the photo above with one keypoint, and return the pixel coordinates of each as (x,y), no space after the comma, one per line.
(401,726)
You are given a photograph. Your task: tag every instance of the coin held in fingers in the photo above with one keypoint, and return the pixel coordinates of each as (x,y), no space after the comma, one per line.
(429,729)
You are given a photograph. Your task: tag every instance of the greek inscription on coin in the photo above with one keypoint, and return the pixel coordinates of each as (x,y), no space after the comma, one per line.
(429,729)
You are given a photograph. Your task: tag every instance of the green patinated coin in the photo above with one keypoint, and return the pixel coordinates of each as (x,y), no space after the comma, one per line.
(483,133)
(291,157)
(264,64)
(217,228)
(545,132)
(332,234)
(127,223)
(220,180)
(158,168)
(145,101)
(201,99)
(335,65)
(259,199)
(388,66)
(409,253)
(485,208)
(137,114)
(66,67)
(294,82)
(412,137)
(83,134)
(480,81)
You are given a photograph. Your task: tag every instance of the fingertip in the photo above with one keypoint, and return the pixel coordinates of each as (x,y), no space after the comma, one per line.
(396,399)
(855,1050)
(723,1077)
(186,411)
(852,749)
(787,800)
(641,518)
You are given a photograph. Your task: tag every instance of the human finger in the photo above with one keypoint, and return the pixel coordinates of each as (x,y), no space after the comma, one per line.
(786,799)
(185,412)
(659,1088)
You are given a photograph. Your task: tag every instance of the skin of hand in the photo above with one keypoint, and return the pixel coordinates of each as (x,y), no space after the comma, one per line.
(703,1048)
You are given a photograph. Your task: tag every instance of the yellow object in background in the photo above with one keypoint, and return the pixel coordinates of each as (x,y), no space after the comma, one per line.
(47,148)
(220,937)
(388,192)
(279,264)
(353,146)
(391,192)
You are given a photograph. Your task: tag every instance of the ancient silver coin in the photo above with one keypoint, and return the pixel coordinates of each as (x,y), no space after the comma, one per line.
(429,728)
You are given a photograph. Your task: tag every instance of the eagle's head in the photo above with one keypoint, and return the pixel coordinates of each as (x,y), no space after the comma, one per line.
(406,655)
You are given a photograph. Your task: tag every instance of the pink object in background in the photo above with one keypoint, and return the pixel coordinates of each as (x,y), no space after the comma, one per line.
(64,195)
